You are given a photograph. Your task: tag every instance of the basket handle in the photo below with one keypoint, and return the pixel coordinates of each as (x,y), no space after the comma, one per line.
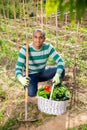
(52,90)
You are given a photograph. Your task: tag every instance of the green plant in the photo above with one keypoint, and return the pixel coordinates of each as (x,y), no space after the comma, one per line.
(3,28)
(81,127)
(1,42)
(1,92)
(5,47)
(1,115)
(72,129)
(11,122)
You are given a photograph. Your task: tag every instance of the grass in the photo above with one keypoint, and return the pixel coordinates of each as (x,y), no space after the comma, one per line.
(14,123)
(81,127)
(10,123)
(2,93)
(2,115)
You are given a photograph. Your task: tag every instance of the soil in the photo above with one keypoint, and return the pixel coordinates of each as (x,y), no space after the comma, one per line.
(62,122)
(72,118)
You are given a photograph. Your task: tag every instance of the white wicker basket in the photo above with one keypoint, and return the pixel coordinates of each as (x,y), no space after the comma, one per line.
(51,107)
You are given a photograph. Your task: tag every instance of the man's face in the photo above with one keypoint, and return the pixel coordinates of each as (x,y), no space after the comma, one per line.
(38,39)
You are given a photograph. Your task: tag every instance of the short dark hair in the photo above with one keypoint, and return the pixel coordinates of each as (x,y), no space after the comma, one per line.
(39,30)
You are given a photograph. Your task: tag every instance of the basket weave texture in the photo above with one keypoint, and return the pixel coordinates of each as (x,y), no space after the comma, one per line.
(51,107)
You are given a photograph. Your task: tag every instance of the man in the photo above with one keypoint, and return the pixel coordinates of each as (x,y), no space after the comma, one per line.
(39,53)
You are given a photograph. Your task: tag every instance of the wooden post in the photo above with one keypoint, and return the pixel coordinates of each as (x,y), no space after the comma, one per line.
(41,14)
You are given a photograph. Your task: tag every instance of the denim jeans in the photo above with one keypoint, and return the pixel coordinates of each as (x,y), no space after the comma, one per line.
(45,75)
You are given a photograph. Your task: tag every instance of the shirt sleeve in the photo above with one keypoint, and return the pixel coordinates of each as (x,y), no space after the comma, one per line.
(58,59)
(20,62)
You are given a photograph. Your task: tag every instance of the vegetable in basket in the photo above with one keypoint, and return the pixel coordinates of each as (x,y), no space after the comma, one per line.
(60,92)
(48,88)
(43,92)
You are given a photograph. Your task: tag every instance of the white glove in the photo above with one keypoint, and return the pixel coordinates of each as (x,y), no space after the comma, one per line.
(56,78)
(24,80)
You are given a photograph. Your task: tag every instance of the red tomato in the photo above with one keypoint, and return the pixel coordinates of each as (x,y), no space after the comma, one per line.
(48,88)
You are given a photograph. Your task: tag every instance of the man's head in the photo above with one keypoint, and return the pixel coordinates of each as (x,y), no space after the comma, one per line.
(40,31)
(38,38)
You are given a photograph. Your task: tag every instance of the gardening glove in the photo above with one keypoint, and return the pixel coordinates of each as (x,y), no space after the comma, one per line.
(56,79)
(24,80)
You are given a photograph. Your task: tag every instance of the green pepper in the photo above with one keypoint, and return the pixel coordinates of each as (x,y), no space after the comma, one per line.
(43,93)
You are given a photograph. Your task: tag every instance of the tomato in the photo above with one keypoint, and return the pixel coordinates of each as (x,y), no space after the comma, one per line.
(48,88)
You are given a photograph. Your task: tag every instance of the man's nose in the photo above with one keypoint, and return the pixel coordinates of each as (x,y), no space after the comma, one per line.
(38,39)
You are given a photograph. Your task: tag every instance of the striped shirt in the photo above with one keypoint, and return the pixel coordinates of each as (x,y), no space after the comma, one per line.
(38,59)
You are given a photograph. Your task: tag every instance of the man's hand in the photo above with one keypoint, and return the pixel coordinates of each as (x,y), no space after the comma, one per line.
(24,80)
(56,79)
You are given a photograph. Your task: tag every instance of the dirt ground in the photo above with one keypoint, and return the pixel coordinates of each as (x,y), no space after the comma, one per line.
(62,122)
(73,117)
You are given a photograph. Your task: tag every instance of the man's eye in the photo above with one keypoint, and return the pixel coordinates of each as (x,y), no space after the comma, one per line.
(41,37)
(38,37)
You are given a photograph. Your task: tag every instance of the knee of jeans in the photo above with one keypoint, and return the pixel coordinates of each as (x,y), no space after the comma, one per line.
(31,94)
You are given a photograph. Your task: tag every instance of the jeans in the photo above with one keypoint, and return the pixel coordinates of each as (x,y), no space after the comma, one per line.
(45,75)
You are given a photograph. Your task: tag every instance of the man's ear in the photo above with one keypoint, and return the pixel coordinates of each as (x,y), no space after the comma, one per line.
(44,38)
(32,37)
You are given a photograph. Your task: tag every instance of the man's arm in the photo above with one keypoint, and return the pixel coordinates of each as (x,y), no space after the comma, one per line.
(19,67)
(58,59)
(60,65)
(20,62)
